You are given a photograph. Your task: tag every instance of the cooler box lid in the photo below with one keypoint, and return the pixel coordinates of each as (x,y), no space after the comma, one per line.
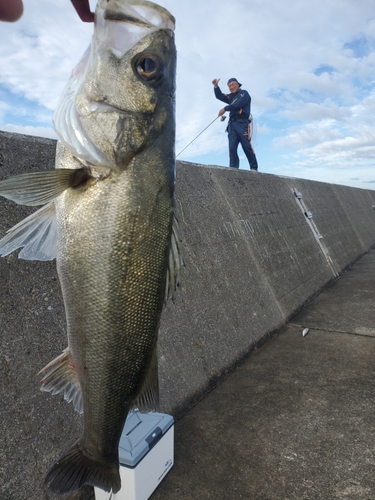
(140,434)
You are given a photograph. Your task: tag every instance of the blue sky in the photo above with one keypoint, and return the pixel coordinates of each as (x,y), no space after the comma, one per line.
(309,67)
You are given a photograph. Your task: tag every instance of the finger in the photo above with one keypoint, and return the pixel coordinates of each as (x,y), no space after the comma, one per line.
(10,11)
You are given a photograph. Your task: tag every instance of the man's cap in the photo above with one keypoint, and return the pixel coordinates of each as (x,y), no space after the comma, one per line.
(234,80)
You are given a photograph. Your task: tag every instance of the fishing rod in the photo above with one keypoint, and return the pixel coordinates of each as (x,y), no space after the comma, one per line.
(222,118)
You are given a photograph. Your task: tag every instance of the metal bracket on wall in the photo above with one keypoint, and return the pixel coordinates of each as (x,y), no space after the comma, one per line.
(309,219)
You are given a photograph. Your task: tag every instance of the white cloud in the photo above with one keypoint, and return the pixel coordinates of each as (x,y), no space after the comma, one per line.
(344,151)
(312,111)
(307,135)
(274,48)
(37,55)
(345,139)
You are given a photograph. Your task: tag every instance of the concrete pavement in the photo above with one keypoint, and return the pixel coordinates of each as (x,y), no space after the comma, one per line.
(296,420)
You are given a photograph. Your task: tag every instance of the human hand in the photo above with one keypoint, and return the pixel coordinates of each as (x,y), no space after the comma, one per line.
(215,82)
(10,10)
(221,112)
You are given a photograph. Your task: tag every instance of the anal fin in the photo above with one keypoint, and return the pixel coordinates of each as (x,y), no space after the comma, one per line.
(59,376)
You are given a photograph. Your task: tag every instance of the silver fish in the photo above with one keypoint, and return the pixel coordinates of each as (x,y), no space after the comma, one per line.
(108,218)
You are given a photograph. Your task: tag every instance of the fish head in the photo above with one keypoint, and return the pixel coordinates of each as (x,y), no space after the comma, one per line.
(120,97)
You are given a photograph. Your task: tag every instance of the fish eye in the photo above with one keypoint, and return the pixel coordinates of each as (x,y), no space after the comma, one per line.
(148,66)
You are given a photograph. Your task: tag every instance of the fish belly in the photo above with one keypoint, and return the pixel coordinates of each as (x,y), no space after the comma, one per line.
(112,257)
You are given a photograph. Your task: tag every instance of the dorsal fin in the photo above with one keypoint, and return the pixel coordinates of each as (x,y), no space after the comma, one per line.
(175,262)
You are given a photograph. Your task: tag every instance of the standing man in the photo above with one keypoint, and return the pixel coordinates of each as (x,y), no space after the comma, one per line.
(238,104)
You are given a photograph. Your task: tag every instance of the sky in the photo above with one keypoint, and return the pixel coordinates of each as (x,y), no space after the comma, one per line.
(308,66)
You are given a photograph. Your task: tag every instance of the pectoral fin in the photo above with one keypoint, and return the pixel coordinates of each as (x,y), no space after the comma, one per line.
(39,188)
(59,376)
(36,233)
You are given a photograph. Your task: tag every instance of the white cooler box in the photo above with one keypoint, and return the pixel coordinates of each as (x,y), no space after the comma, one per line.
(146,455)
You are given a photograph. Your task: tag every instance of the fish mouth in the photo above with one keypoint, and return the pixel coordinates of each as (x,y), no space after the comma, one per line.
(119,26)
(139,12)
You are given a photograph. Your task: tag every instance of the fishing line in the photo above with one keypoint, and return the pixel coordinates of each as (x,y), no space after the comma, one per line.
(222,118)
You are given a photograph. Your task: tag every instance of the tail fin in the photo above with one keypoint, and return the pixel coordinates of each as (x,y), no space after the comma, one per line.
(74,469)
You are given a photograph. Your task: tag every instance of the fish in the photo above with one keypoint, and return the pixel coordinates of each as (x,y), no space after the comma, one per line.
(107,215)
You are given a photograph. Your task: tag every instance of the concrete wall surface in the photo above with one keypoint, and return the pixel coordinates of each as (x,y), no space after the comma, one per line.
(253,259)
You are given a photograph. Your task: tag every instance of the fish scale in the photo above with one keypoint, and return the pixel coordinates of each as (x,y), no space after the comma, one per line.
(108,219)
(131,309)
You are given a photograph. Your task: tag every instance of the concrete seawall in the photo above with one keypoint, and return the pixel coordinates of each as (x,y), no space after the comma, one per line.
(257,248)
(253,259)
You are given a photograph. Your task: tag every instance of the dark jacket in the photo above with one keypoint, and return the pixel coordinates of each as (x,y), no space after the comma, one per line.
(238,104)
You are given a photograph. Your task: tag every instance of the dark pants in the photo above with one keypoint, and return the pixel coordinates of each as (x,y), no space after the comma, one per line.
(239,132)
